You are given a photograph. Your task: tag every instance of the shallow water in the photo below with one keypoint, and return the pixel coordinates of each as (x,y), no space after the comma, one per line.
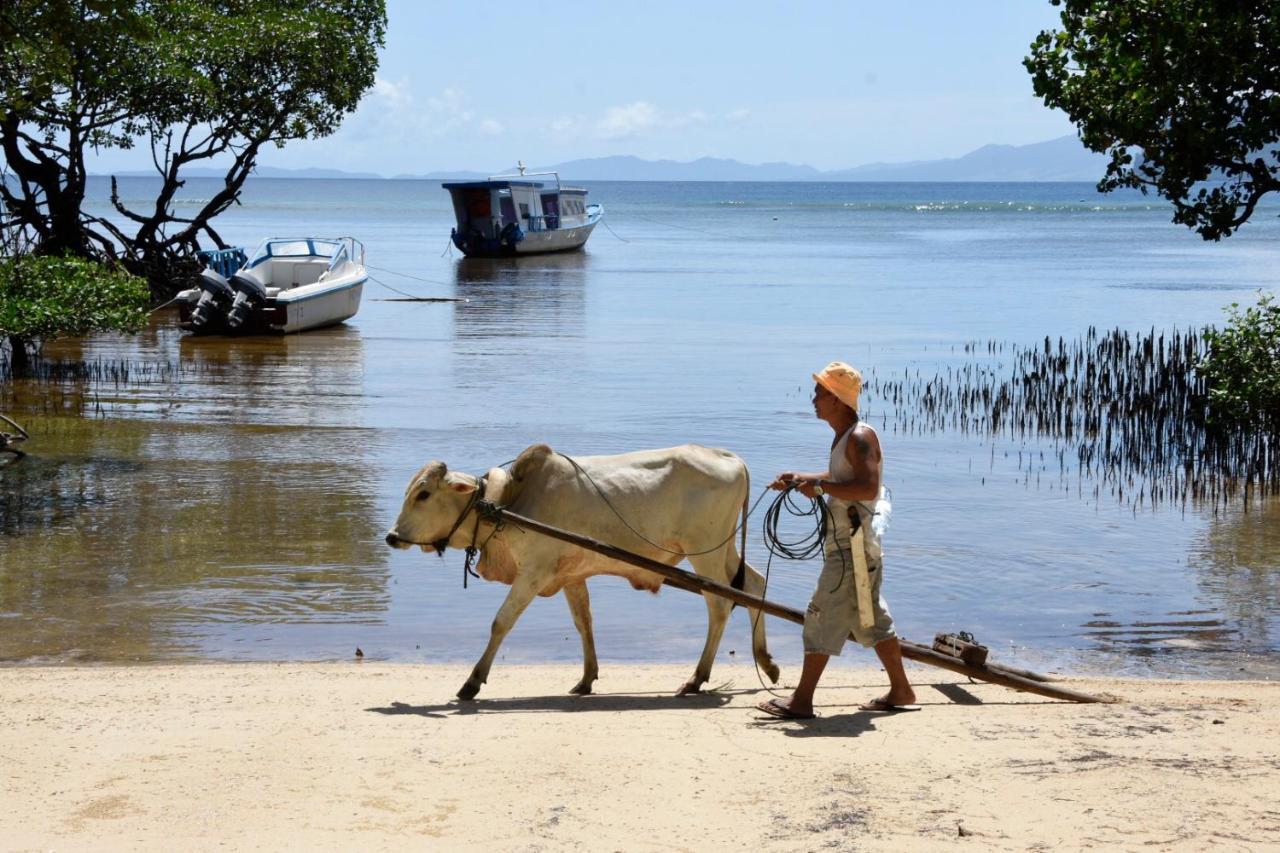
(227,499)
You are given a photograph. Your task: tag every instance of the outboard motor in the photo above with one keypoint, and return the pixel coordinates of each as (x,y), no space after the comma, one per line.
(250,297)
(216,297)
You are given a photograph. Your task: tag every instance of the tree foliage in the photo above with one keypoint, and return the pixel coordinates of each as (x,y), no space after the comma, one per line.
(50,296)
(1242,369)
(208,82)
(1184,95)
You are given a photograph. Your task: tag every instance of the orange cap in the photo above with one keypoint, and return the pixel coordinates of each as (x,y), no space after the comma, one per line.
(843,381)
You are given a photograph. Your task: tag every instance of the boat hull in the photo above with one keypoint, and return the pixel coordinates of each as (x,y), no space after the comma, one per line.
(303,311)
(533,243)
(310,307)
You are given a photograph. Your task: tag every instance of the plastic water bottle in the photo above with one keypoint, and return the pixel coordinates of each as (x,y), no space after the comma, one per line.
(883,510)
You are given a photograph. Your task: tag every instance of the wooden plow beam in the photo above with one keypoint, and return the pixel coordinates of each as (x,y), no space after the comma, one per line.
(1016,679)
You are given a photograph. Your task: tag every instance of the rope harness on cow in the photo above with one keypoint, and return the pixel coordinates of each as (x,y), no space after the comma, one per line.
(740,527)
(471,550)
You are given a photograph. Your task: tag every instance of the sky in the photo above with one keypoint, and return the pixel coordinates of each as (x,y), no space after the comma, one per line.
(826,84)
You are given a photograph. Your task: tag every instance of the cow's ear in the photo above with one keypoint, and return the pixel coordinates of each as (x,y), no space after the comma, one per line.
(460,485)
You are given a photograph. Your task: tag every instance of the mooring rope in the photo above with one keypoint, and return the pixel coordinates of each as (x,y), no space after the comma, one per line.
(407,275)
(163,305)
(405,296)
(685,227)
(614,233)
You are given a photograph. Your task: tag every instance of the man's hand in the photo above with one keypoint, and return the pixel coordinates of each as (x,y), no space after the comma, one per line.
(803,483)
(783,480)
(805,487)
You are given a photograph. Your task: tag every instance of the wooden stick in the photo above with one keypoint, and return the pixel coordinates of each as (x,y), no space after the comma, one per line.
(690,582)
(862,580)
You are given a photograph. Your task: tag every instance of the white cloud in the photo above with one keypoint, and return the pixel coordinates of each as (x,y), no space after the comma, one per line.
(394,95)
(564,126)
(641,117)
(393,112)
(621,122)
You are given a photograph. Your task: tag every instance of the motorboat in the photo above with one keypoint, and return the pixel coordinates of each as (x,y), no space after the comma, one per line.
(288,284)
(521,214)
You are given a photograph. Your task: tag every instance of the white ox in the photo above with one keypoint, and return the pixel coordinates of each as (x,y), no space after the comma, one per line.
(683,500)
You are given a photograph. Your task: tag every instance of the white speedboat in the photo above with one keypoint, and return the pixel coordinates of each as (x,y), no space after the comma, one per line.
(518,215)
(288,284)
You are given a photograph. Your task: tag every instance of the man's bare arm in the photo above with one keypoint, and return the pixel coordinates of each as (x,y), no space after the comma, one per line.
(862,451)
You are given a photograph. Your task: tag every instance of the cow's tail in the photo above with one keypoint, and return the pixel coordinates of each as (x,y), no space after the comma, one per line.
(740,577)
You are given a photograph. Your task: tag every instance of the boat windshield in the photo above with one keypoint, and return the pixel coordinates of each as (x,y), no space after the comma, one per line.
(334,249)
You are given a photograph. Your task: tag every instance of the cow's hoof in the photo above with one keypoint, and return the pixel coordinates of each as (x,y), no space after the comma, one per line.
(771,669)
(582,688)
(468,691)
(690,688)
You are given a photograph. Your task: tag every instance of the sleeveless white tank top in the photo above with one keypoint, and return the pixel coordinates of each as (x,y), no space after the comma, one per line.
(842,471)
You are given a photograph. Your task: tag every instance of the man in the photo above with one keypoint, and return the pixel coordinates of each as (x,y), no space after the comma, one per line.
(852,485)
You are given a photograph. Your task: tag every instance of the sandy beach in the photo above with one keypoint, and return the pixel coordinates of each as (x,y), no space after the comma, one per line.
(381,757)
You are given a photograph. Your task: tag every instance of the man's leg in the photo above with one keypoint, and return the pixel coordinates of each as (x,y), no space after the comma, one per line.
(890,653)
(801,701)
(819,633)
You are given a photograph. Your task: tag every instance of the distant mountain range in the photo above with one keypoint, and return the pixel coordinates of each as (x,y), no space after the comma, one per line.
(1062,159)
(259,172)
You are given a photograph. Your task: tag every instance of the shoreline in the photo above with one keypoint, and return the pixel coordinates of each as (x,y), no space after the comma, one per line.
(381,756)
(1061,665)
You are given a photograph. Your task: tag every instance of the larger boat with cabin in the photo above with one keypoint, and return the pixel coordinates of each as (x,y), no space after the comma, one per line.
(288,284)
(510,215)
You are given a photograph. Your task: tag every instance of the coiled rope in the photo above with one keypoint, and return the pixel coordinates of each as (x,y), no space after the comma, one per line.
(806,546)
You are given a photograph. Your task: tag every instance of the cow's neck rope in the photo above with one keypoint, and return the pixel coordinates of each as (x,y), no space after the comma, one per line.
(441,544)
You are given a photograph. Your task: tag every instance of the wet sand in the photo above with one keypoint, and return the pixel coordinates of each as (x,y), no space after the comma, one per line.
(381,757)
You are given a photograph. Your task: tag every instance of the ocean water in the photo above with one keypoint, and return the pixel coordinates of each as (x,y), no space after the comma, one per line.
(227,499)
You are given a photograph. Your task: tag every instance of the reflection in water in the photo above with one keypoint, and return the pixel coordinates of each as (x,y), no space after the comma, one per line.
(244,378)
(1238,573)
(534,296)
(1239,566)
(217,495)
(1175,632)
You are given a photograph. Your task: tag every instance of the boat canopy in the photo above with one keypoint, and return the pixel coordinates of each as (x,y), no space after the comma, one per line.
(492,184)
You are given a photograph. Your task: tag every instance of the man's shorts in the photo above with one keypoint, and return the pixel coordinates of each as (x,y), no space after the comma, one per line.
(833,611)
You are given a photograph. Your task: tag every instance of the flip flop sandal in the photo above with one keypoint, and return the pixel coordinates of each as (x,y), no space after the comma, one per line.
(774,709)
(883,707)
